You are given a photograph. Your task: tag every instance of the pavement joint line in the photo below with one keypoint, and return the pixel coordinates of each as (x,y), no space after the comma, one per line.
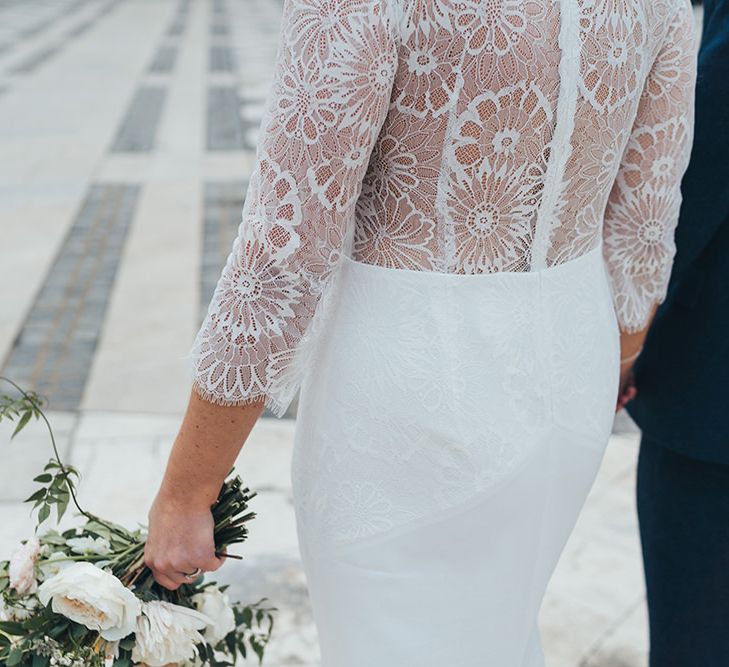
(45,53)
(43,24)
(609,632)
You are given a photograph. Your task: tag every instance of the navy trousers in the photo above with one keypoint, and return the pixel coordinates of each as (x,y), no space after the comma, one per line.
(683,505)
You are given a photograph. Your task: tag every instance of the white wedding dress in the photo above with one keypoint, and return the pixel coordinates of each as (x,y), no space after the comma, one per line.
(455,206)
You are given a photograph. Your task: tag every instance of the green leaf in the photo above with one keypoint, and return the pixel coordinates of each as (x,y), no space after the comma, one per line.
(38,495)
(43,514)
(12,628)
(77,630)
(44,478)
(62,505)
(40,661)
(15,657)
(21,424)
(59,628)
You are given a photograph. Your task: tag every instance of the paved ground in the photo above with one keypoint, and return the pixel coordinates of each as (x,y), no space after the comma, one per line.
(127,132)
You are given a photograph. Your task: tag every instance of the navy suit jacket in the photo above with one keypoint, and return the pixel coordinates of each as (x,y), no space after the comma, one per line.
(682,375)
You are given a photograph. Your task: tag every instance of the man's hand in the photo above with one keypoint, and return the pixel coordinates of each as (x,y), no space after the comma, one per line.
(180,540)
(630,346)
(627,390)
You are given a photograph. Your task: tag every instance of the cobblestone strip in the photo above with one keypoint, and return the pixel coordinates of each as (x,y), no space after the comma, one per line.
(221,216)
(164,60)
(225,130)
(221,59)
(53,352)
(139,127)
(179,21)
(138,130)
(226,127)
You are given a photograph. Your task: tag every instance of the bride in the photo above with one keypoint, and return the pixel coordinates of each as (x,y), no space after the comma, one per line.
(457,230)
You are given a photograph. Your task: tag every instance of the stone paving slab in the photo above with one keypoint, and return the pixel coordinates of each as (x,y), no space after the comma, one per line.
(593,615)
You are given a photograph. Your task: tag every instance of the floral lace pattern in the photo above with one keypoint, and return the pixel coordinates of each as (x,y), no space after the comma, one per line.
(457,136)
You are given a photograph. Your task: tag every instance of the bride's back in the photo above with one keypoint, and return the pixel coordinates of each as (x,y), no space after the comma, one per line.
(507,124)
(457,136)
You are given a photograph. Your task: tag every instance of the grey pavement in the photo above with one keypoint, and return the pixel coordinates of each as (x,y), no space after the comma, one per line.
(127,135)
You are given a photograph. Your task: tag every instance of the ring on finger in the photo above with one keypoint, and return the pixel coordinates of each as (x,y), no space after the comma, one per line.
(191,576)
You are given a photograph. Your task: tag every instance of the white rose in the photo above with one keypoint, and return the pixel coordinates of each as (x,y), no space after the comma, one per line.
(21,570)
(93,597)
(89,545)
(167,633)
(216,606)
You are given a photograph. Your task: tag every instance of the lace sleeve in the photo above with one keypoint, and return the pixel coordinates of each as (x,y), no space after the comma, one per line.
(643,207)
(334,70)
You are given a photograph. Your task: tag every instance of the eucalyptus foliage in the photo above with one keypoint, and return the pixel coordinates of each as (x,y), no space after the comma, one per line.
(32,635)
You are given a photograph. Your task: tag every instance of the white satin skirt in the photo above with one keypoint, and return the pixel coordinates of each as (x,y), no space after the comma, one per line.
(446,439)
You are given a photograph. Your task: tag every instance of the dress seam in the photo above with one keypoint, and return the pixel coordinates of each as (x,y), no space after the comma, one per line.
(561,144)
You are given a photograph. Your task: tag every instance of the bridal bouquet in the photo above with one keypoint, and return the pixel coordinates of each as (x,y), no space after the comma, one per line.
(83,596)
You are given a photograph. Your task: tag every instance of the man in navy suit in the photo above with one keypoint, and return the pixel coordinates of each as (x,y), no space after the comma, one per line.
(681,400)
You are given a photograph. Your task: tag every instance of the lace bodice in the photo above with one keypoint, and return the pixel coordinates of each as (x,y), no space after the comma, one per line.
(463,136)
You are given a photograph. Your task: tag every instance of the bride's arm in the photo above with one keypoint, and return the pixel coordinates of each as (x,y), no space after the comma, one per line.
(644,204)
(180,522)
(329,99)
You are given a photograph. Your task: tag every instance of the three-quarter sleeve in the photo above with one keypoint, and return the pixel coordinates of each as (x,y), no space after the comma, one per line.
(334,70)
(644,204)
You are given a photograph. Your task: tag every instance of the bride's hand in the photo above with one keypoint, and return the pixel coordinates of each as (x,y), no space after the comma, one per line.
(180,539)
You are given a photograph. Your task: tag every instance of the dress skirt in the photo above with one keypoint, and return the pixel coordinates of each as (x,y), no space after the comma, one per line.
(447,436)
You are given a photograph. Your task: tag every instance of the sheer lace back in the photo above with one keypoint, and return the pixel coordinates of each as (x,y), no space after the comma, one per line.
(460,136)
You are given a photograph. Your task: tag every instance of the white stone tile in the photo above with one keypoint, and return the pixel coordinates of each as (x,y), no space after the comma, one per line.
(120,477)
(152,316)
(24,457)
(626,643)
(266,456)
(16,524)
(103,423)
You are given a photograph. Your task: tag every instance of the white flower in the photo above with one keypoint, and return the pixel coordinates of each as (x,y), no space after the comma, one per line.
(167,633)
(21,611)
(22,567)
(89,545)
(216,606)
(52,565)
(111,653)
(93,597)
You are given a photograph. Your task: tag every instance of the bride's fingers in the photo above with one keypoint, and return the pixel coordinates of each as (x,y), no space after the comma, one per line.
(163,580)
(214,562)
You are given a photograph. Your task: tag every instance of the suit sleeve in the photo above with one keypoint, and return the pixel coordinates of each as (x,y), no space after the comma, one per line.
(705,186)
(644,204)
(334,71)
